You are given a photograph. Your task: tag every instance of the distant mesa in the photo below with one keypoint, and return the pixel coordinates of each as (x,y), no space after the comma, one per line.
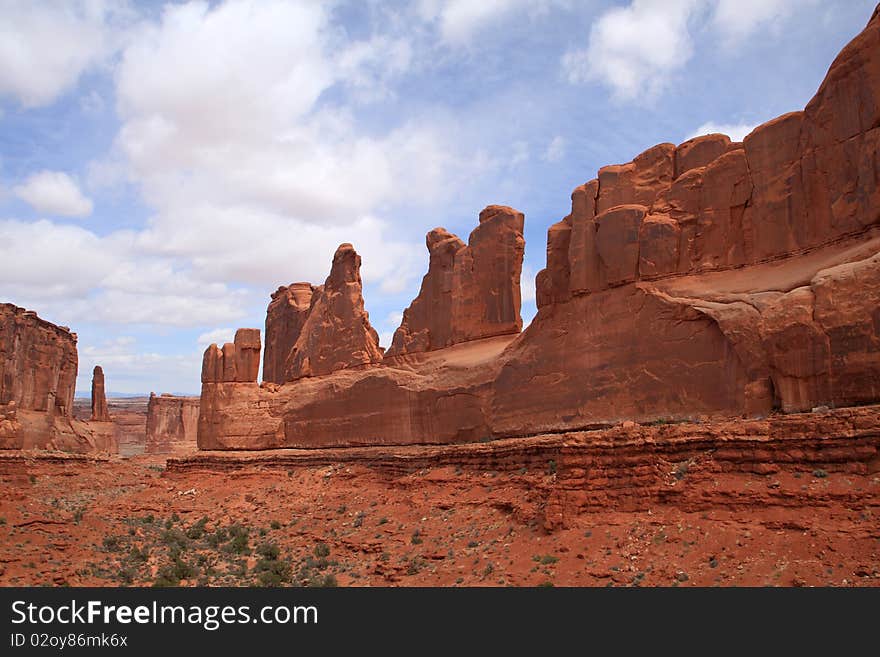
(172,424)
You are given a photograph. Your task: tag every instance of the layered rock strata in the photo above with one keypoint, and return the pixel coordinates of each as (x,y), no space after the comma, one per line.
(38,367)
(172,424)
(712,278)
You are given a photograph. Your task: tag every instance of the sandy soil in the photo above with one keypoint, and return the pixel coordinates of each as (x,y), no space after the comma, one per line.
(122,522)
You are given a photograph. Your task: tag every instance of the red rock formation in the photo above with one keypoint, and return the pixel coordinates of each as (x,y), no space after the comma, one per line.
(38,362)
(236,362)
(712,278)
(470,292)
(100,412)
(129,418)
(172,424)
(285,318)
(38,365)
(337,333)
(799,194)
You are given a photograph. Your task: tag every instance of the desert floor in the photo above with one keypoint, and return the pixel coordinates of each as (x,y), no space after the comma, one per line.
(132,522)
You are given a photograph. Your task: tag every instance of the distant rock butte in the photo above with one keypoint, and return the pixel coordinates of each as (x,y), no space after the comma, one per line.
(100,412)
(38,367)
(712,278)
(172,424)
(470,292)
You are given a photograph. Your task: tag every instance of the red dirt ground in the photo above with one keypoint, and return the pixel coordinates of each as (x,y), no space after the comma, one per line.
(77,522)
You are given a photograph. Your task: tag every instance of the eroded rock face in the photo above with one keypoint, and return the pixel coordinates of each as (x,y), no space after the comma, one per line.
(470,291)
(706,279)
(38,362)
(796,183)
(334,333)
(337,333)
(38,366)
(285,318)
(236,362)
(172,424)
(100,412)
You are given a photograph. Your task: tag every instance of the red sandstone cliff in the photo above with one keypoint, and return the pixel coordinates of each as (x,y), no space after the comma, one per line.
(337,333)
(236,362)
(709,278)
(172,424)
(469,292)
(38,366)
(285,318)
(38,362)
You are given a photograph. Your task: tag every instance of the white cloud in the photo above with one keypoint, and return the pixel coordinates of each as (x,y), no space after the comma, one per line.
(636,49)
(736,131)
(737,19)
(460,20)
(368,66)
(555,149)
(69,272)
(252,178)
(55,193)
(46,46)
(128,369)
(217,336)
(43,260)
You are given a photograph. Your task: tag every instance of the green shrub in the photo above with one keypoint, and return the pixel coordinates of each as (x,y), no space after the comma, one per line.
(239,542)
(322,550)
(197,530)
(112,543)
(546,559)
(272,572)
(268,551)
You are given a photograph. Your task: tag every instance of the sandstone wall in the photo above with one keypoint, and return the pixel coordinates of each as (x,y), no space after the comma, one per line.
(628,303)
(38,366)
(38,362)
(285,318)
(311,331)
(337,333)
(705,279)
(172,424)
(470,292)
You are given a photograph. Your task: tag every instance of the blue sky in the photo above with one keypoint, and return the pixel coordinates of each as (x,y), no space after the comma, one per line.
(164,168)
